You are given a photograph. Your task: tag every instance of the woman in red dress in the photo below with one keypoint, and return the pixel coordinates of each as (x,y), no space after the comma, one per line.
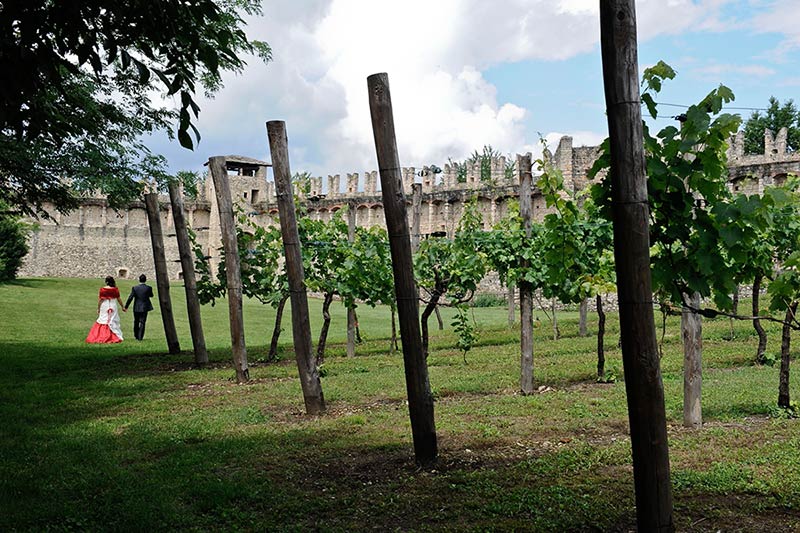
(107,328)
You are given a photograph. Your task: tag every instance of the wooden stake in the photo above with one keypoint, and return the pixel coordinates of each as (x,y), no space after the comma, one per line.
(301,323)
(351,312)
(511,304)
(692,330)
(525,289)
(583,312)
(416,214)
(643,385)
(219,174)
(189,281)
(162,276)
(420,399)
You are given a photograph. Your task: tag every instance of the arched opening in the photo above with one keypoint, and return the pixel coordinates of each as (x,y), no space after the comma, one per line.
(122,273)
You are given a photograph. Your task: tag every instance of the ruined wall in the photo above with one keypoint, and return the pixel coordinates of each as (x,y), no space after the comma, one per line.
(95,241)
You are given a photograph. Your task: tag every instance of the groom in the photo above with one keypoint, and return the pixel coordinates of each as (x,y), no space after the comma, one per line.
(141,293)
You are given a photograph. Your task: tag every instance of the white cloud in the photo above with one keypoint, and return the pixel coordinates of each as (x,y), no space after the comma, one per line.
(434,52)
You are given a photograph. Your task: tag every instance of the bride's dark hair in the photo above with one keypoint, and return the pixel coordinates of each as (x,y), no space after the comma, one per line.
(110,281)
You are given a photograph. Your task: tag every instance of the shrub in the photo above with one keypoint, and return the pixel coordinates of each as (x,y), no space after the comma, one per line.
(488,300)
(13,244)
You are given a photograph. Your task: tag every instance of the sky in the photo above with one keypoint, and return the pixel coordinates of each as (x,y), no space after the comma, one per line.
(469,73)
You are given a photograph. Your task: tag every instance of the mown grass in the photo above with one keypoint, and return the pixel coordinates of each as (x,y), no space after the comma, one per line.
(123,437)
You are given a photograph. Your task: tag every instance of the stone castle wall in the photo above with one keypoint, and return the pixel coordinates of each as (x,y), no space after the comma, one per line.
(95,240)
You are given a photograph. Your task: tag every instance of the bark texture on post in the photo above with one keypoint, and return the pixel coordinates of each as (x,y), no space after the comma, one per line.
(762,335)
(351,312)
(219,173)
(786,337)
(583,312)
(512,315)
(420,399)
(189,280)
(692,331)
(301,324)
(162,276)
(601,334)
(416,214)
(643,384)
(525,290)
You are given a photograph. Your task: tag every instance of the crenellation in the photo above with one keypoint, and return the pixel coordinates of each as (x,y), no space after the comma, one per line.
(334,190)
(779,148)
(95,240)
(352,184)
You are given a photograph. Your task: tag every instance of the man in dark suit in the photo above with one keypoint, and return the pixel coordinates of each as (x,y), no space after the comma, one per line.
(141,295)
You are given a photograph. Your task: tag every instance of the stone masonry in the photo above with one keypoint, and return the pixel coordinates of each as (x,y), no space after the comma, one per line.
(95,240)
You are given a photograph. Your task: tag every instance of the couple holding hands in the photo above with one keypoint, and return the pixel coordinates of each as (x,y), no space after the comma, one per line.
(107,329)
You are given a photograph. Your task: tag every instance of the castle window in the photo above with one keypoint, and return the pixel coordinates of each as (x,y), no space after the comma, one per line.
(245,194)
(122,273)
(254,196)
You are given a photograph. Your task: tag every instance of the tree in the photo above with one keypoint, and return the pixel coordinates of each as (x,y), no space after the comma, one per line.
(776,116)
(687,189)
(576,250)
(77,84)
(13,243)
(451,267)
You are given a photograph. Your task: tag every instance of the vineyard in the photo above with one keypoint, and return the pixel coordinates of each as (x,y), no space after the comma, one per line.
(345,378)
(96,432)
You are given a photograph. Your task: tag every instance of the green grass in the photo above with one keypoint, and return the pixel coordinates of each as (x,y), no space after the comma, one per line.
(123,437)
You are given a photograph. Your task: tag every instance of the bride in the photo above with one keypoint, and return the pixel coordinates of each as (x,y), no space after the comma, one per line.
(107,328)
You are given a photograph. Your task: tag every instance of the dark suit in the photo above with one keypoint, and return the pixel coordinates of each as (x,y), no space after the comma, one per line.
(141,295)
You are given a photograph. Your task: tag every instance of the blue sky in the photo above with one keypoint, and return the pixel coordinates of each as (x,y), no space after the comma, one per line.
(465,73)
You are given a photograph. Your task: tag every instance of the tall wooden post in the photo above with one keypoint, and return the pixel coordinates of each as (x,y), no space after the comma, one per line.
(525,289)
(219,174)
(416,214)
(511,304)
(692,330)
(583,312)
(643,385)
(189,281)
(351,313)
(162,276)
(301,323)
(420,399)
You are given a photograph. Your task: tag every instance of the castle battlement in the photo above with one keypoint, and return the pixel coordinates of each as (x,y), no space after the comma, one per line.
(95,240)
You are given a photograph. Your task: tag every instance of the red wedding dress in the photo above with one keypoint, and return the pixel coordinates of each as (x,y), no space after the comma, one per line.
(107,328)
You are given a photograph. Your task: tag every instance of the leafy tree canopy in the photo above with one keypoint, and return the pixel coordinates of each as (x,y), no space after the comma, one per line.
(776,116)
(78,86)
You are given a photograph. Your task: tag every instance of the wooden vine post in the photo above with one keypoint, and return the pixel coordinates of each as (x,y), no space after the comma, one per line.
(351,313)
(219,173)
(416,214)
(189,280)
(162,276)
(301,323)
(630,211)
(692,330)
(420,399)
(525,290)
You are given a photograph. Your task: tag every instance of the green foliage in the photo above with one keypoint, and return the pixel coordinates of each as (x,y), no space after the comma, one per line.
(785,413)
(13,243)
(77,97)
(687,191)
(777,116)
(483,160)
(576,243)
(453,267)
(465,329)
(488,300)
(511,254)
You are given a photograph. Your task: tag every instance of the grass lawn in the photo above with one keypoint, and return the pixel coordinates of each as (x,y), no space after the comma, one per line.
(123,437)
